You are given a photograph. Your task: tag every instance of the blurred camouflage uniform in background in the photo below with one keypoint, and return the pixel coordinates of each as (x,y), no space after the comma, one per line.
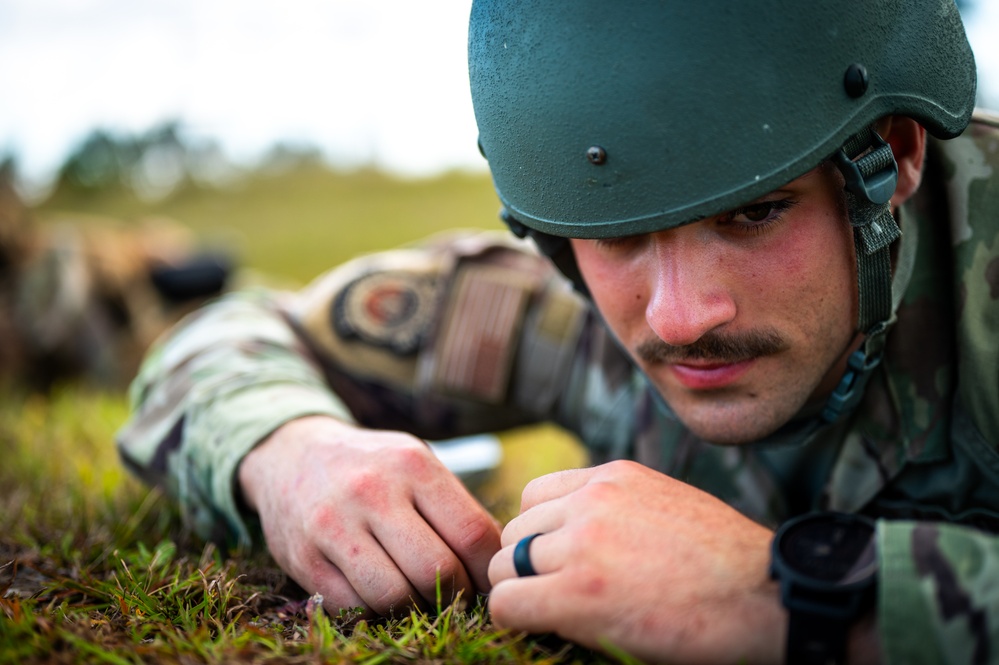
(84,297)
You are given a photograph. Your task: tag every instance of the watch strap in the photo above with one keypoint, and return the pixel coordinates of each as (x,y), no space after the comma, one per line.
(816,639)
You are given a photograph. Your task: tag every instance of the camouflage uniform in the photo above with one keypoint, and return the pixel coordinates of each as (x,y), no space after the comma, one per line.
(84,297)
(478,333)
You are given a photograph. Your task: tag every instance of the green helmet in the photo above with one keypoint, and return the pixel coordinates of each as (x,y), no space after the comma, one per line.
(603,118)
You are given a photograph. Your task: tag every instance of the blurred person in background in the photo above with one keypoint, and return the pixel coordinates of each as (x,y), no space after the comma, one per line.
(83,298)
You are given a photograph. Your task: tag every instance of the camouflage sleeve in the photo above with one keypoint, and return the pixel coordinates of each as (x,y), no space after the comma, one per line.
(226,378)
(461,335)
(939,593)
(465,334)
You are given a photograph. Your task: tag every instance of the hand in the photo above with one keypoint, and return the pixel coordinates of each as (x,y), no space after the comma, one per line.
(651,565)
(366,518)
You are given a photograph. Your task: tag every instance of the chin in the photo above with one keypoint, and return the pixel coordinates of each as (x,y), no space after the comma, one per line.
(727,436)
(728,425)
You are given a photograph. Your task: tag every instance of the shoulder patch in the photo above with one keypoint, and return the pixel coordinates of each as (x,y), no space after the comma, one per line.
(474,350)
(391,310)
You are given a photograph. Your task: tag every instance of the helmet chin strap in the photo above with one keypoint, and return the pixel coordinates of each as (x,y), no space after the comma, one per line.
(871,174)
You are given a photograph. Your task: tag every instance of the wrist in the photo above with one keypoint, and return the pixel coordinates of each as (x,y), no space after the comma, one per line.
(827,567)
(760,623)
(864,644)
(259,466)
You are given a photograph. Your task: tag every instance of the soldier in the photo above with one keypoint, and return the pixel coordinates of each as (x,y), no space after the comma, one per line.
(84,297)
(811,396)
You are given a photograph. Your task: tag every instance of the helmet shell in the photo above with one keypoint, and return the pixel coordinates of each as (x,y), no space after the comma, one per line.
(604,119)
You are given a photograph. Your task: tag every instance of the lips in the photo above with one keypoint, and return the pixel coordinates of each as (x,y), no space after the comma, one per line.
(709,376)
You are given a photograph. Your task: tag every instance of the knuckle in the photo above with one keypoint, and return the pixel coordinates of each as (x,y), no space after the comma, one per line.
(413,456)
(411,451)
(392,597)
(592,581)
(587,532)
(599,494)
(364,484)
(306,567)
(531,490)
(622,467)
(322,518)
(447,569)
(478,535)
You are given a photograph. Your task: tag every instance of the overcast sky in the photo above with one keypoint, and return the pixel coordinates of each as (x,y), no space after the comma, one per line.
(379,81)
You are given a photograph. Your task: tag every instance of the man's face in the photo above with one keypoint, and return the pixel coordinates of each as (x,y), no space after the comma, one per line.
(739,320)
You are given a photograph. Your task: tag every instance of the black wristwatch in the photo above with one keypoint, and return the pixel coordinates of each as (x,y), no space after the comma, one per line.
(827,566)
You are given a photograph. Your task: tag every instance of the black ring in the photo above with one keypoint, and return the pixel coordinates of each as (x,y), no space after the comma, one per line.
(522,557)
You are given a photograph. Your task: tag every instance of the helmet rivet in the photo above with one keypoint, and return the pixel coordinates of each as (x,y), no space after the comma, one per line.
(596,155)
(856,80)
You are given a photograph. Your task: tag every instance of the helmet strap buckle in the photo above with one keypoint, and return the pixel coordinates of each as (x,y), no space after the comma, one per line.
(850,387)
(873,176)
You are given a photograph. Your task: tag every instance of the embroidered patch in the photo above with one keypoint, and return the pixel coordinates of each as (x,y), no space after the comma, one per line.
(392,310)
(476,344)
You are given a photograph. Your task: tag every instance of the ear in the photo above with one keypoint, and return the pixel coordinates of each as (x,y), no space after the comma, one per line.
(907,139)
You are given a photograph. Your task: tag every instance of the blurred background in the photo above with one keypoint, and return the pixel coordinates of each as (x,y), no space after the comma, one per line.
(380,84)
(365,83)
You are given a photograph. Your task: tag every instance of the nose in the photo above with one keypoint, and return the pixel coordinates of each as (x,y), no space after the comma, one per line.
(688,296)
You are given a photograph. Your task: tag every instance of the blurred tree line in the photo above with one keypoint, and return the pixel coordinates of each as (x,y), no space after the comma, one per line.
(154,163)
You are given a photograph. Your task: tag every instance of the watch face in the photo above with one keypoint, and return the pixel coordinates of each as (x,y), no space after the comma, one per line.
(836,552)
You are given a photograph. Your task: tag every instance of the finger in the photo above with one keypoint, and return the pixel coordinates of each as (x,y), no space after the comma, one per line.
(316,574)
(423,557)
(463,525)
(554,485)
(545,553)
(339,595)
(531,604)
(542,518)
(372,573)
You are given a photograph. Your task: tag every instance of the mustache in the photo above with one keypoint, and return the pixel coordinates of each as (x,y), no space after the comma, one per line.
(723,348)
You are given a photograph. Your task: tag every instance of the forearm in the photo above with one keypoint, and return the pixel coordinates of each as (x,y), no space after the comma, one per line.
(217,386)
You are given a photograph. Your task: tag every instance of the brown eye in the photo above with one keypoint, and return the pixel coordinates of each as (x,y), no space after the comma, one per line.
(757,213)
(757,218)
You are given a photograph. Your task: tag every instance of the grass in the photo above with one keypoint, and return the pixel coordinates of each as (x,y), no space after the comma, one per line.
(96,568)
